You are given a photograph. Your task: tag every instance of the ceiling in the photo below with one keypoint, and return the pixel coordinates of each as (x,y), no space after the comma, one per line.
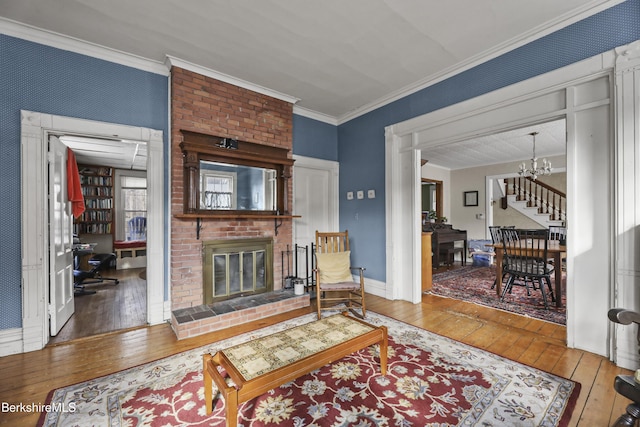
(504,147)
(335,56)
(339,58)
(106,152)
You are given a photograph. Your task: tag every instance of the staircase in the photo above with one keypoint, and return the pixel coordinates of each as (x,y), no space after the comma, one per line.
(536,200)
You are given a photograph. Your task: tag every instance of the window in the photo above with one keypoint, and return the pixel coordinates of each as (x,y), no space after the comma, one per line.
(217,190)
(132,204)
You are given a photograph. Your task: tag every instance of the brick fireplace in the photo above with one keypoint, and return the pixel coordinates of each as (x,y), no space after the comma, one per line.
(208,106)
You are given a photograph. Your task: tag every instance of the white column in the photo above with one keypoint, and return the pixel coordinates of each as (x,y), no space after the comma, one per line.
(627,201)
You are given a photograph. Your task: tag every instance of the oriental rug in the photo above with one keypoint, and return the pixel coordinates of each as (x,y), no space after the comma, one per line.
(431,381)
(473,284)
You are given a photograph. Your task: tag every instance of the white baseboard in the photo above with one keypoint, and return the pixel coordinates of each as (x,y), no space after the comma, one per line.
(10,341)
(375,287)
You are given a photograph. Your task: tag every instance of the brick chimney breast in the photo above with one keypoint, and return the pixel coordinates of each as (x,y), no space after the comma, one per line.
(206,105)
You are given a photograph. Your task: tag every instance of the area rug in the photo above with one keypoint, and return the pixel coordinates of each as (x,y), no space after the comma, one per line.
(431,381)
(473,284)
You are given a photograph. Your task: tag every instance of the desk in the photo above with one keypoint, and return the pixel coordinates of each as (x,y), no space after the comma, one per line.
(554,250)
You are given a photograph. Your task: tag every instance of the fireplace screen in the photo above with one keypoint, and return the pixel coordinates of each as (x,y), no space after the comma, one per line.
(237,267)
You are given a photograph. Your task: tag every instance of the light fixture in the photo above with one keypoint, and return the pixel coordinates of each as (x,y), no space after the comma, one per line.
(535,171)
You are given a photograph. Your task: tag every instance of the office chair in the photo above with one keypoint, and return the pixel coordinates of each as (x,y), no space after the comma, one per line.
(98,262)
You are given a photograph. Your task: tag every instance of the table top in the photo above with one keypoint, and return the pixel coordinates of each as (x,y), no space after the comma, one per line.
(266,354)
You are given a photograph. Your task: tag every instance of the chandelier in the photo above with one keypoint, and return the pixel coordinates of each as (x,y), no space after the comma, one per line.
(535,171)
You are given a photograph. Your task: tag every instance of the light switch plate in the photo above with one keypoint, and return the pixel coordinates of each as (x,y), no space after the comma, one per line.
(360,194)
(349,195)
(371,194)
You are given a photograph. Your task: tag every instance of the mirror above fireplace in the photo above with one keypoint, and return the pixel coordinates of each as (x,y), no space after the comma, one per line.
(225,177)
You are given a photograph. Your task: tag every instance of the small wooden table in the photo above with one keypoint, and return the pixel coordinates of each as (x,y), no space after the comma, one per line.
(260,365)
(554,249)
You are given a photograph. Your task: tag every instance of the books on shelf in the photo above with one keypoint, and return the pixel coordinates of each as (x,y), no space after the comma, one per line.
(97,189)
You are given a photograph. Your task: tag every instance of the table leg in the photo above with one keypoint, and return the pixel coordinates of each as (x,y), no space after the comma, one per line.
(384,348)
(557,262)
(499,254)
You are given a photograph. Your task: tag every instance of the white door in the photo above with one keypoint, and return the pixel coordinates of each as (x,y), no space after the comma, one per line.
(316,201)
(61,303)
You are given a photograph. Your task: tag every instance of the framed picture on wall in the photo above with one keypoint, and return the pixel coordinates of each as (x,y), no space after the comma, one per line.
(471,198)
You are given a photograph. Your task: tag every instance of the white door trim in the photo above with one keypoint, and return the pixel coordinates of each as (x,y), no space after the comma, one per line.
(35,129)
(542,98)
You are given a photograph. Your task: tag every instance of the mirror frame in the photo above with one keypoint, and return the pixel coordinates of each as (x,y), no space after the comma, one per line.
(198,146)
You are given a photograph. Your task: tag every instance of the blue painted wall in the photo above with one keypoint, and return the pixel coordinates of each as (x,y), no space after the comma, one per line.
(361,140)
(313,138)
(49,80)
(53,81)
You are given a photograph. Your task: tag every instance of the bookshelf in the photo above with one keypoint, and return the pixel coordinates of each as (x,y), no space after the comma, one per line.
(97,189)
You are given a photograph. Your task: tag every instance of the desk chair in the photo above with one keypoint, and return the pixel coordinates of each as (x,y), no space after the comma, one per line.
(98,262)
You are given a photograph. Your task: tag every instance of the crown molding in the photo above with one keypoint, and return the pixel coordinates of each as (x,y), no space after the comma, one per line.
(321,117)
(172,61)
(540,31)
(71,44)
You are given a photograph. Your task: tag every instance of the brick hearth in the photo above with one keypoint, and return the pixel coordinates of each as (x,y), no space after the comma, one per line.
(193,321)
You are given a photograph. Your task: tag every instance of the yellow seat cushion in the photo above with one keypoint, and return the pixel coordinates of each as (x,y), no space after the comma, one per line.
(334,267)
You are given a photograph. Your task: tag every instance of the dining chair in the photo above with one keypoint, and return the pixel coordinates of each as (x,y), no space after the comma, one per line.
(496,237)
(334,282)
(560,234)
(526,258)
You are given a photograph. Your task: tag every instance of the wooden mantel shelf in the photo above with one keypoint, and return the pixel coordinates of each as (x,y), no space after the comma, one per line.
(232,216)
(215,215)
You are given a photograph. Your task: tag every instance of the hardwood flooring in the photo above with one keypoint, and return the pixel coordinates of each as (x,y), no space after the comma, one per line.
(111,308)
(27,378)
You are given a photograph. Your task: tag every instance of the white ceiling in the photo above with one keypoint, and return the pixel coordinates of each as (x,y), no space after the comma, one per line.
(339,58)
(106,152)
(336,56)
(514,145)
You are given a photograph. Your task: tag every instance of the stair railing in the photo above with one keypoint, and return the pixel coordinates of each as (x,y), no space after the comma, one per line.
(549,200)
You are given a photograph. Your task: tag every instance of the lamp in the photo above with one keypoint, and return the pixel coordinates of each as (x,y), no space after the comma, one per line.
(535,171)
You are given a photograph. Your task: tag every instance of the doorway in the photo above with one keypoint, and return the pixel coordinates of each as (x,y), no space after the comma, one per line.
(36,128)
(315,199)
(589,142)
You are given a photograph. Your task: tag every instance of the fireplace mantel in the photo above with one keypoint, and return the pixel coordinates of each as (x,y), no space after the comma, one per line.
(199,218)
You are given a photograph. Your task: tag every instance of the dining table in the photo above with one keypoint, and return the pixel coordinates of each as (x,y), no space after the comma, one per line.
(554,250)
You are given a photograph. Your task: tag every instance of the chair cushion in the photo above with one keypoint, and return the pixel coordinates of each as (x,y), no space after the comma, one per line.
(334,267)
(340,286)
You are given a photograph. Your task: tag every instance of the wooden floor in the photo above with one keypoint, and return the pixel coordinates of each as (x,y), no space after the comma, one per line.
(111,308)
(27,378)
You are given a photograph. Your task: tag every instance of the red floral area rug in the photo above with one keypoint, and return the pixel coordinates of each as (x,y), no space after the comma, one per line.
(431,380)
(473,284)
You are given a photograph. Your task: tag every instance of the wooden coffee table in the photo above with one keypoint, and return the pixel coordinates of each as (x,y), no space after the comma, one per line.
(260,365)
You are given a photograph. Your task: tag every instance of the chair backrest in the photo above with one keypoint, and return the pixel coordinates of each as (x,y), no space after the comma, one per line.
(496,237)
(528,253)
(496,232)
(557,233)
(510,234)
(332,242)
(137,228)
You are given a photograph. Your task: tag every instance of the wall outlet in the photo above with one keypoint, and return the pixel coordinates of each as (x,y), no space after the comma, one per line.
(349,195)
(371,194)
(360,194)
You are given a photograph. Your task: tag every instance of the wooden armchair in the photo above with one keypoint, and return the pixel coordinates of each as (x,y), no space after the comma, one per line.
(334,281)
(626,385)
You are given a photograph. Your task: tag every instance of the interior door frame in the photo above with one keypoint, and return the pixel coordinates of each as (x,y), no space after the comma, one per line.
(552,95)
(35,130)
